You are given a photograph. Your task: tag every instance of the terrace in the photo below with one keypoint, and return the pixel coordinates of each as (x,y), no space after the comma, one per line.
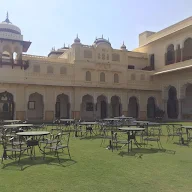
(94,168)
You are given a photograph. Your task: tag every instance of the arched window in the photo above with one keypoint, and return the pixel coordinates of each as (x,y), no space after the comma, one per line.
(50,70)
(88,76)
(187,49)
(63,70)
(142,76)
(102,77)
(133,77)
(116,78)
(170,55)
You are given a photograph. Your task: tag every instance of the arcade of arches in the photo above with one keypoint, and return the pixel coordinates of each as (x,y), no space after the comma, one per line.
(100,107)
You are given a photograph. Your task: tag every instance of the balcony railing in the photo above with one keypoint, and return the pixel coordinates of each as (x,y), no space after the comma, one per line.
(15,63)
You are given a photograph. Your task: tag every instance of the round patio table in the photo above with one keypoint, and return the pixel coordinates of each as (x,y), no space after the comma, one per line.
(35,138)
(131,133)
(18,125)
(67,120)
(11,121)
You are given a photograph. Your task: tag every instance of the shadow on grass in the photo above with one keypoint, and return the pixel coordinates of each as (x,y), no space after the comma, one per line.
(139,152)
(88,137)
(28,162)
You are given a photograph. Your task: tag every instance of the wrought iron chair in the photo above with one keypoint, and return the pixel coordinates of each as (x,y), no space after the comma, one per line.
(62,142)
(153,136)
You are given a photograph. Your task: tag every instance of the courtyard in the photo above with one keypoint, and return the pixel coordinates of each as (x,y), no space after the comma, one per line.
(94,168)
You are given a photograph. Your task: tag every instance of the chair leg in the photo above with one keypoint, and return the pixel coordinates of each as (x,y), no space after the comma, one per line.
(69,153)
(58,156)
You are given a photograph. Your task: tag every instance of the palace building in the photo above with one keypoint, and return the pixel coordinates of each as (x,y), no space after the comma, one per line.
(96,81)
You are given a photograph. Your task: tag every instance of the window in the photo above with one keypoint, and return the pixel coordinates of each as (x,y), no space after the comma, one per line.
(50,69)
(31,105)
(170,55)
(63,70)
(36,68)
(131,67)
(116,78)
(107,56)
(115,57)
(152,61)
(102,77)
(133,77)
(103,56)
(142,76)
(99,56)
(88,76)
(87,54)
(89,106)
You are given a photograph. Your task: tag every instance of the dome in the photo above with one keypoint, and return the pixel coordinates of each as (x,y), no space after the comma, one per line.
(123,47)
(77,40)
(7,26)
(101,40)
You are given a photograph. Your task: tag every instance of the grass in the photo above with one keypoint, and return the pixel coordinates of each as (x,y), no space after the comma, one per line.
(95,169)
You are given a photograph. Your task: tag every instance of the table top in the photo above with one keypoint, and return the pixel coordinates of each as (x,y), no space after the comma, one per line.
(141,122)
(111,119)
(11,121)
(33,133)
(131,129)
(18,125)
(88,123)
(67,119)
(123,117)
(187,127)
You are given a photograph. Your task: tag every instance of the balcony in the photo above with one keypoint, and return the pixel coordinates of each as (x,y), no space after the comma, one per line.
(14,63)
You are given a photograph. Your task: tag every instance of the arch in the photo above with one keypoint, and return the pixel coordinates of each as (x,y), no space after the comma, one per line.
(35,107)
(50,70)
(6,56)
(133,107)
(102,77)
(88,76)
(63,70)
(151,107)
(170,55)
(101,107)
(187,49)
(116,108)
(6,106)
(87,108)
(187,101)
(116,78)
(62,106)
(172,103)
(7,48)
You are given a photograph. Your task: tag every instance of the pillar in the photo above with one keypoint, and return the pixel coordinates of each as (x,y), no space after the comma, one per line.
(165,107)
(180,108)
(109,110)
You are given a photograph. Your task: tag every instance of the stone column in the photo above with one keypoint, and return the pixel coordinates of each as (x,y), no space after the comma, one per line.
(109,110)
(180,108)
(165,107)
(94,111)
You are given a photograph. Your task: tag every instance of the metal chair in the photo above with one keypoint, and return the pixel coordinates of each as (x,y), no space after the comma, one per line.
(61,143)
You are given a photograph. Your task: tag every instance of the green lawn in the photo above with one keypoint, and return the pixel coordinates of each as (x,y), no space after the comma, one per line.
(93,168)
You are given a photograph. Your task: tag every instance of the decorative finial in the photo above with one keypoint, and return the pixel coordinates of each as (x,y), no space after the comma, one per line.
(102,36)
(108,38)
(7,18)
(64,45)
(77,35)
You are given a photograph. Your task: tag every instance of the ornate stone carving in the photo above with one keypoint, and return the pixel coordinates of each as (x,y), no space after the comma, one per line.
(103,66)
